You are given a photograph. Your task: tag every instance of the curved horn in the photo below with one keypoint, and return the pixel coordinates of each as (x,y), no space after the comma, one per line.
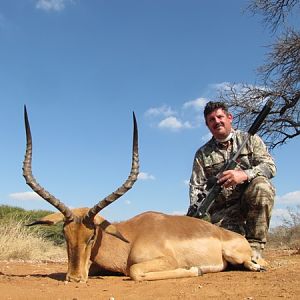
(127,185)
(30,180)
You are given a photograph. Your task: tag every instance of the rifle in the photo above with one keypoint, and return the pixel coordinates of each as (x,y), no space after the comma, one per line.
(205,201)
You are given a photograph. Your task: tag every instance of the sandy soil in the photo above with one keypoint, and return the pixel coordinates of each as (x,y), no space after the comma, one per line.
(27,280)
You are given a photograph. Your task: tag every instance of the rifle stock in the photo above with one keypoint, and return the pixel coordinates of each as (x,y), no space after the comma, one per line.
(201,208)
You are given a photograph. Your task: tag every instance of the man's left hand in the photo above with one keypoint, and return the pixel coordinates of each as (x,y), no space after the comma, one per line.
(231,178)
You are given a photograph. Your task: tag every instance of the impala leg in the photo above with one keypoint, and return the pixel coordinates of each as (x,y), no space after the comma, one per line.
(161,268)
(253,266)
(239,253)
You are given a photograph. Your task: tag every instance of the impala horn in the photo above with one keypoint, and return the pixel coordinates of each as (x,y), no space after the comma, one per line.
(127,185)
(30,180)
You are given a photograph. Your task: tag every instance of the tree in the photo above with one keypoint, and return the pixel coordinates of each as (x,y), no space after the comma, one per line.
(279,78)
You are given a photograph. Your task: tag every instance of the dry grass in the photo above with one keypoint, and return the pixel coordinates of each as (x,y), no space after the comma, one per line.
(17,242)
(287,236)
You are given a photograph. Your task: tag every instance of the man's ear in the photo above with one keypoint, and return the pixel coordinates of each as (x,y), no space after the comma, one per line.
(48,220)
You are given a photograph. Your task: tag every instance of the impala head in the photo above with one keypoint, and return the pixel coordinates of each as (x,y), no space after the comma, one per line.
(82,225)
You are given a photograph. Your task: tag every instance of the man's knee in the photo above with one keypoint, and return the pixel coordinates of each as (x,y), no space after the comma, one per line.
(258,202)
(260,192)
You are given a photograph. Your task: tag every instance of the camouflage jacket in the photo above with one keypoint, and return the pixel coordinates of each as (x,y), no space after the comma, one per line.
(255,160)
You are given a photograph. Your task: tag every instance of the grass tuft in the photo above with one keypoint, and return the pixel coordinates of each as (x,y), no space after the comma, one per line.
(18,242)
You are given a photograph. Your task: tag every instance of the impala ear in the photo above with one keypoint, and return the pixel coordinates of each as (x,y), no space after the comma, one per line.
(48,220)
(109,228)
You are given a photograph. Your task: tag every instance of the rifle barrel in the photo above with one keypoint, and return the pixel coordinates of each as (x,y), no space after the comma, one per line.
(261,117)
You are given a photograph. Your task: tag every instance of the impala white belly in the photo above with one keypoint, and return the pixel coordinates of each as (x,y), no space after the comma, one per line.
(204,252)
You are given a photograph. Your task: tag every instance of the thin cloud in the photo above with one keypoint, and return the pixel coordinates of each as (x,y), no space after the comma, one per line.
(25,196)
(173,123)
(145,176)
(205,138)
(280,212)
(278,215)
(289,198)
(223,86)
(239,87)
(187,117)
(52,5)
(163,110)
(197,104)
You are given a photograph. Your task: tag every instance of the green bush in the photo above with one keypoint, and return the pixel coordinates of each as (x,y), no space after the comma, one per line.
(52,233)
(18,242)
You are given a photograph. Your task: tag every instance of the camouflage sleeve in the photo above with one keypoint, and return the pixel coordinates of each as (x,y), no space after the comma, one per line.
(197,181)
(262,162)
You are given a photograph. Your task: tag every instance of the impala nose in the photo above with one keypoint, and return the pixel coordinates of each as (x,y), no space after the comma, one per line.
(75,278)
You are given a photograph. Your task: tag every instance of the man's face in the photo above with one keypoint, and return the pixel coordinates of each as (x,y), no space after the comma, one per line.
(219,123)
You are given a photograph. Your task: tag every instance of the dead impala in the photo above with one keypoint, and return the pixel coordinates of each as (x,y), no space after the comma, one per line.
(149,246)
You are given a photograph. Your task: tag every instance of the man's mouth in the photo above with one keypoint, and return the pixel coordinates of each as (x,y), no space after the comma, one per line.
(218,126)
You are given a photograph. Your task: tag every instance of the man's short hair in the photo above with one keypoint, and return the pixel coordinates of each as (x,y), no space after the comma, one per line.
(213,105)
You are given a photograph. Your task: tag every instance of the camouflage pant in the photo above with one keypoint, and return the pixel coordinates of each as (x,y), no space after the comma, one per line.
(250,214)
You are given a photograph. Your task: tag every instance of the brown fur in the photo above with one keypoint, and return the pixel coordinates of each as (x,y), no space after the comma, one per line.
(160,246)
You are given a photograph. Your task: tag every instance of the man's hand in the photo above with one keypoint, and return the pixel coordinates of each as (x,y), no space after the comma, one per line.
(232,178)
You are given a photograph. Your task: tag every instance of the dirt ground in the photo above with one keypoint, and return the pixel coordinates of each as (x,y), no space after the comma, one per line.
(25,280)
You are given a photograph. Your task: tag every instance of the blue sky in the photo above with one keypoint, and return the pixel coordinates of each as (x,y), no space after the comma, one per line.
(82,67)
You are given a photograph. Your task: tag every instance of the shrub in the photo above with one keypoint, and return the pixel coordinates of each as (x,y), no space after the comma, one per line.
(52,233)
(18,242)
(288,234)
